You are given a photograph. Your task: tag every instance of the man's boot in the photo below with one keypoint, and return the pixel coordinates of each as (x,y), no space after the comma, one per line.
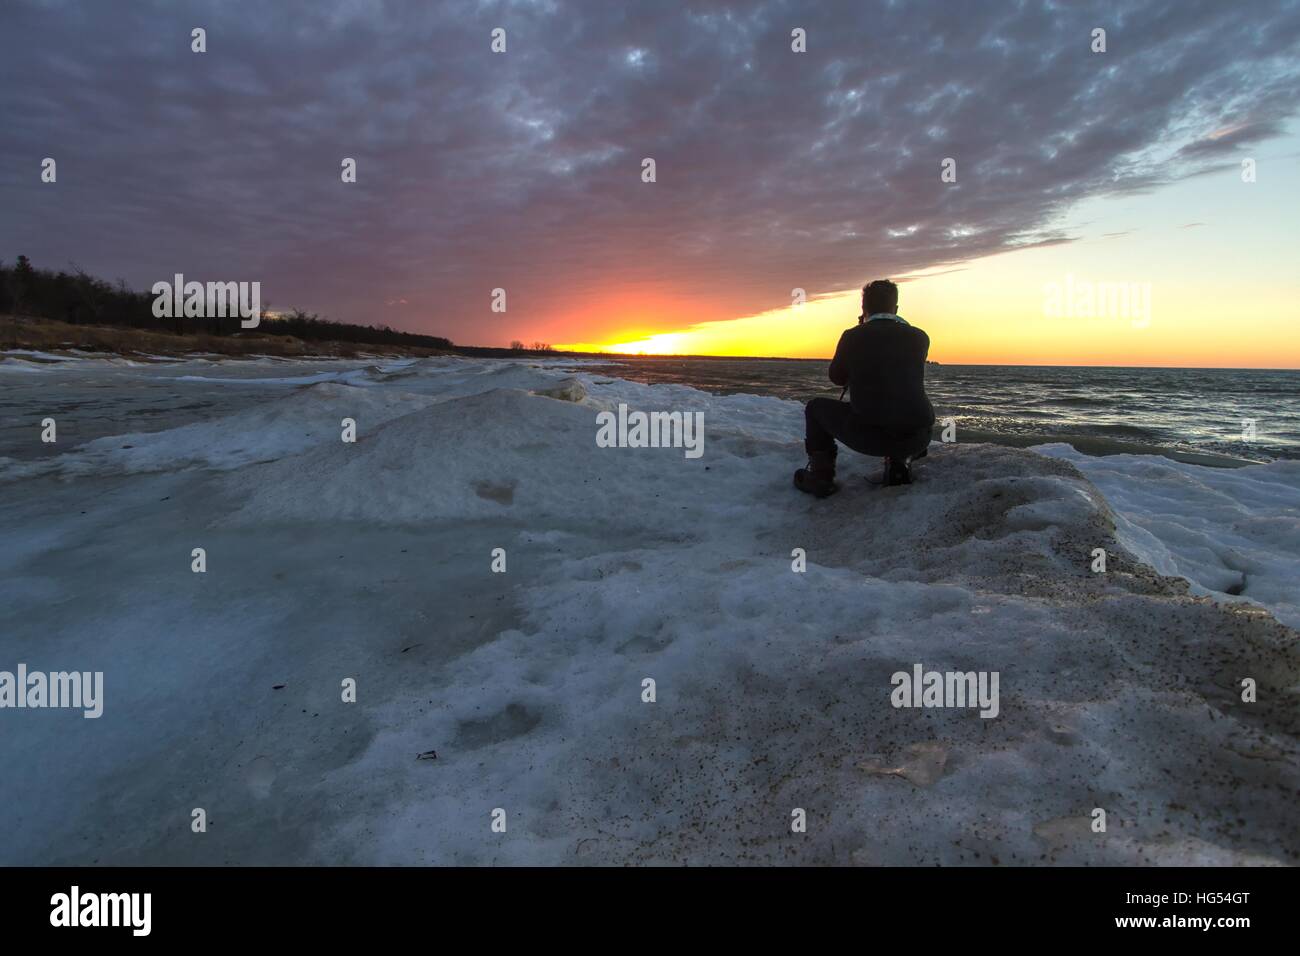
(819,477)
(898,471)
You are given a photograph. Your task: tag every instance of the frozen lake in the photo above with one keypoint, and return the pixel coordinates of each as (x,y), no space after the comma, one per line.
(373,561)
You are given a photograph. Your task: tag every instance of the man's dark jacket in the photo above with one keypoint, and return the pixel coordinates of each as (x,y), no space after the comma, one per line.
(883,364)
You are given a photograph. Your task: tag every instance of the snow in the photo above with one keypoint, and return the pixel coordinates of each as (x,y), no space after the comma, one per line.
(373,561)
(1234,533)
(301,420)
(41,356)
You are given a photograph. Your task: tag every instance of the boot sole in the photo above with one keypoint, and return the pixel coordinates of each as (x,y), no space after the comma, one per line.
(815,492)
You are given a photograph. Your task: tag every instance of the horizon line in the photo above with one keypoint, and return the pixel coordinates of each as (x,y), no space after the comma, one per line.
(793,358)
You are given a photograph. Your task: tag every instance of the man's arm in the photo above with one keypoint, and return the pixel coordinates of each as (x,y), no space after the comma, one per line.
(839,364)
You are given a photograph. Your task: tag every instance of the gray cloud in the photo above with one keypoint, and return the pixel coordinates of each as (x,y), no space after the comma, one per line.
(522,170)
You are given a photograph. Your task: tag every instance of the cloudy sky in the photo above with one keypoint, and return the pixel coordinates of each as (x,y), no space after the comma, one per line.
(775,170)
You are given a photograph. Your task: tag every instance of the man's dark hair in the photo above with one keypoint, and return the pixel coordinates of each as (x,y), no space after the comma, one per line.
(879,296)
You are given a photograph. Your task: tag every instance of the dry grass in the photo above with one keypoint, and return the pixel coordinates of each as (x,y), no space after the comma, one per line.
(49,335)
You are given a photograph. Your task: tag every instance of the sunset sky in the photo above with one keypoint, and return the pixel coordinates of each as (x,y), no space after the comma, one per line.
(775,170)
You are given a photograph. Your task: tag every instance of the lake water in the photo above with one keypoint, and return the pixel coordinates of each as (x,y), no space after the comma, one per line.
(1195,410)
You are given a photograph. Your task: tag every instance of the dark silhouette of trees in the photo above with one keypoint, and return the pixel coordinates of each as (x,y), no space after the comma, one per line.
(20,283)
(82,299)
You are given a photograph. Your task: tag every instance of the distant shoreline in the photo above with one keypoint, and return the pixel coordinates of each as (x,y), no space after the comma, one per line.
(31,332)
(52,335)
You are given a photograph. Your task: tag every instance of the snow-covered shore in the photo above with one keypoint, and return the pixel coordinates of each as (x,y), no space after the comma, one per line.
(373,561)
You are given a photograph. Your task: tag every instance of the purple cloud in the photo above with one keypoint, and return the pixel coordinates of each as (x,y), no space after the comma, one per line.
(522,170)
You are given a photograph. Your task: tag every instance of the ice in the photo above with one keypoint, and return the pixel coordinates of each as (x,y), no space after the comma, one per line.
(1234,533)
(72,358)
(373,561)
(19,365)
(309,417)
(41,356)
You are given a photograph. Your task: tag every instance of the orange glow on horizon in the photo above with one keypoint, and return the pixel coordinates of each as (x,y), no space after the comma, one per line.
(997,311)
(963,343)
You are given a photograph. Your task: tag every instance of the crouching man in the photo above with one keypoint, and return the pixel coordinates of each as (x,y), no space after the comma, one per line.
(882,362)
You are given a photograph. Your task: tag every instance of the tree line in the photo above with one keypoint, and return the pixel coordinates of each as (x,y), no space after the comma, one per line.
(81,299)
(518,346)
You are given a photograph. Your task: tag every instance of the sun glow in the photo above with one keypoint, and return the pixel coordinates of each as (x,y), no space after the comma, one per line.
(1221,295)
(665,343)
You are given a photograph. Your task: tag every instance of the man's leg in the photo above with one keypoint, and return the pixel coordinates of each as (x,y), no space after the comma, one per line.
(915,444)
(897,448)
(829,421)
(825,420)
(822,418)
